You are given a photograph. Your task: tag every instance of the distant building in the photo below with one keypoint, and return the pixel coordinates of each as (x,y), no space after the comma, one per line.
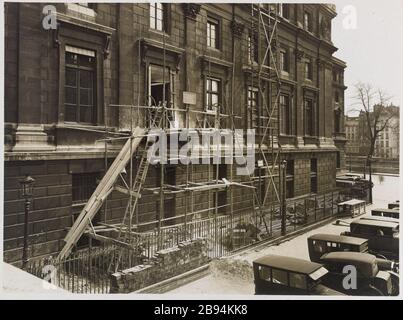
(387,143)
(352,135)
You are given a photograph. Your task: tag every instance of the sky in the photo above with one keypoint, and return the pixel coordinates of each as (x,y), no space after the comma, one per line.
(373,50)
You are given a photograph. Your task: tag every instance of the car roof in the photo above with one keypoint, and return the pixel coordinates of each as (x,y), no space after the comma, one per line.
(288,263)
(349,256)
(378,223)
(382,218)
(338,238)
(383,210)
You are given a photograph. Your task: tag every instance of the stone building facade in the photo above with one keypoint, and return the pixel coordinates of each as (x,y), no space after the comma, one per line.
(387,143)
(62,87)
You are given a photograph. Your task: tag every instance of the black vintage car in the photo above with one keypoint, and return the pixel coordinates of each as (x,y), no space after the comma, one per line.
(353,186)
(383,236)
(280,275)
(391,213)
(371,281)
(321,243)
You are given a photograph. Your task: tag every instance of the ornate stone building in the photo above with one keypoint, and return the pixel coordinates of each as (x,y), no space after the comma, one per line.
(63,86)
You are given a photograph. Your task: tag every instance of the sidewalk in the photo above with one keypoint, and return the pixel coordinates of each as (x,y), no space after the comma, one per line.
(17,281)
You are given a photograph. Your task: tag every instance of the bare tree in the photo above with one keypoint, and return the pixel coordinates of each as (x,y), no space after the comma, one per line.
(372,104)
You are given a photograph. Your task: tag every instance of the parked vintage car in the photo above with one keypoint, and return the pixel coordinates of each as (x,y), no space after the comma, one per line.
(370,280)
(280,275)
(321,243)
(392,213)
(383,236)
(353,186)
(394,205)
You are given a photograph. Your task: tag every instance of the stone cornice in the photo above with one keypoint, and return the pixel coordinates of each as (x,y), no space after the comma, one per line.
(84,24)
(237,28)
(191,10)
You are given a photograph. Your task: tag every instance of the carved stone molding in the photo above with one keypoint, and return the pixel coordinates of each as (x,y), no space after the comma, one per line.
(56,40)
(237,28)
(152,45)
(300,54)
(107,46)
(320,62)
(191,10)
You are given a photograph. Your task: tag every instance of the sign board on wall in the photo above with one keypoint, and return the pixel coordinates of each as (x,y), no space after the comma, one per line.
(189,97)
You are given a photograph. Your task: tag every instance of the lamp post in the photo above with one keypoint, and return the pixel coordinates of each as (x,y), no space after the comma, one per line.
(27,188)
(283,197)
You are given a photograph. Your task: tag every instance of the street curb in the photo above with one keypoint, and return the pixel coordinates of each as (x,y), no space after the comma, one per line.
(175,282)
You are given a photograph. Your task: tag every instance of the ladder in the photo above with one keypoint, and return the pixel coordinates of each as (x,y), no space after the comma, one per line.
(107,184)
(139,180)
(104,188)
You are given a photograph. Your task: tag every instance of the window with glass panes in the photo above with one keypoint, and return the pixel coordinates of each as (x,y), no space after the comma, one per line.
(80,86)
(308,21)
(285,10)
(285,114)
(252,101)
(157,16)
(309,117)
(212,93)
(212,33)
(83,185)
(308,69)
(284,61)
(252,47)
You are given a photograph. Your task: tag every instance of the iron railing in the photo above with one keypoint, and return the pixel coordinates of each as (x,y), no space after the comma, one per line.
(88,270)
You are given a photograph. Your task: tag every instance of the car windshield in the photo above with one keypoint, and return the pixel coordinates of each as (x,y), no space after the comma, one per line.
(318,273)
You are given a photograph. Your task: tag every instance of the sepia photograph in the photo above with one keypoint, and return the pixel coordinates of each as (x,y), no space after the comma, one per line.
(200,150)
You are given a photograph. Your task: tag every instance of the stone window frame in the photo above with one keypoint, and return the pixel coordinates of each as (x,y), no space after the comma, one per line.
(207,100)
(290,114)
(78,69)
(285,61)
(254,89)
(216,20)
(252,47)
(308,96)
(166,17)
(308,21)
(308,69)
(96,44)
(282,11)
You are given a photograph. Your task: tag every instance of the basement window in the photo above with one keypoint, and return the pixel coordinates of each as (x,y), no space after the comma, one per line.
(290,179)
(314,176)
(83,186)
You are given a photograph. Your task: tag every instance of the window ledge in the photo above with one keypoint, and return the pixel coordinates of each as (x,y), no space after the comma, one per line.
(159,32)
(84,23)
